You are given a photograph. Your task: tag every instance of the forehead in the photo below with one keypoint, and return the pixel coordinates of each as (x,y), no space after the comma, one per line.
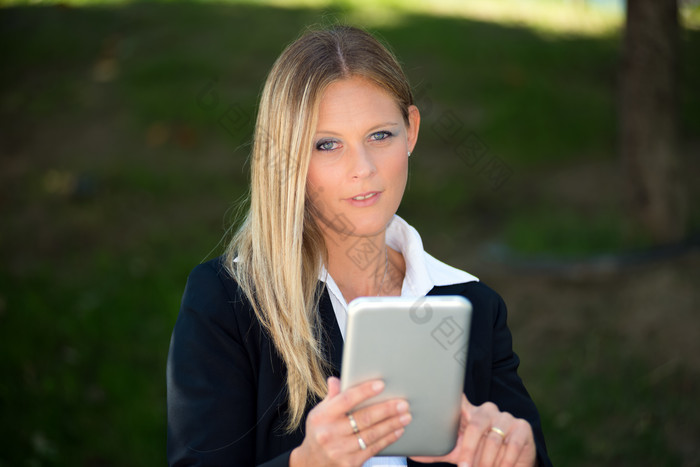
(356,99)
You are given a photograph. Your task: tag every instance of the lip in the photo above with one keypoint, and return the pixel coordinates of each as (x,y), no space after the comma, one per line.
(365,202)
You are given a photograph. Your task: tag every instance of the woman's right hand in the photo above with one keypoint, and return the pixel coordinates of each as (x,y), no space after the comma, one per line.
(330,439)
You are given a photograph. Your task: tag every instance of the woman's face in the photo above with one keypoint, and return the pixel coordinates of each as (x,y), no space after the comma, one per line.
(359,162)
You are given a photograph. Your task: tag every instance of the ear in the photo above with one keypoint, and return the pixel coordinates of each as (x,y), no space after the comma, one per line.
(414,126)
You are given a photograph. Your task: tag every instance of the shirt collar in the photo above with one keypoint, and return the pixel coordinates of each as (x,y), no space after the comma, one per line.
(423,272)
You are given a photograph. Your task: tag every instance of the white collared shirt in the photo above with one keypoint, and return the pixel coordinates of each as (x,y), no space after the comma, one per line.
(423,272)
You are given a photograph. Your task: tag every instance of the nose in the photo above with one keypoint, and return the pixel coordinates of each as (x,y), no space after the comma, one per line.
(363,164)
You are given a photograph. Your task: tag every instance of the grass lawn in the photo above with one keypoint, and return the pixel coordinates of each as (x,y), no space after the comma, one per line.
(124,132)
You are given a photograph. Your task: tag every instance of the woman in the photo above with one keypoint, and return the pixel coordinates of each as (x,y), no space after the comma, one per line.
(255,354)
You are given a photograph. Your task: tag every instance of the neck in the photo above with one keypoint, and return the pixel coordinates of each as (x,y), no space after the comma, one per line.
(364,266)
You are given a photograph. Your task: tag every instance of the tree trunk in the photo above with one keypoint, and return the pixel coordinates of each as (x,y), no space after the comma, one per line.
(648,118)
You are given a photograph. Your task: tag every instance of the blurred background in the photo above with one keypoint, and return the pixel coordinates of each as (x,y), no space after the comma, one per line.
(558,161)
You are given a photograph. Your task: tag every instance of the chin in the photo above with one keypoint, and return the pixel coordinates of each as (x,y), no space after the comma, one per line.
(369,227)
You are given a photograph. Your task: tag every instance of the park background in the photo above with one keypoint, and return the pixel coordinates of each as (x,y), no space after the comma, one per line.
(124,133)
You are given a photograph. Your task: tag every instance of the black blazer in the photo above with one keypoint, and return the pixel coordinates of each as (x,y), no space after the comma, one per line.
(226,383)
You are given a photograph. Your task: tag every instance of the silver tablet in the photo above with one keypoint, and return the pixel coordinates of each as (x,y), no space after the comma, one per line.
(418,347)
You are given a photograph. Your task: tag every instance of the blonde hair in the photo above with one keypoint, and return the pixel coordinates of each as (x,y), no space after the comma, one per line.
(279,248)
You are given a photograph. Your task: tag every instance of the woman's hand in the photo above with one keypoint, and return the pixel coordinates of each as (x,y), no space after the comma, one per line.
(489,437)
(330,437)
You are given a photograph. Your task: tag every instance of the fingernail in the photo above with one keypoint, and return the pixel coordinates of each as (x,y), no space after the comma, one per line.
(463,464)
(405,419)
(377,386)
(402,406)
(399,432)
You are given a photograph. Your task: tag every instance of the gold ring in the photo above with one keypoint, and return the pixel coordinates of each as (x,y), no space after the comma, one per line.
(353,424)
(498,431)
(361,441)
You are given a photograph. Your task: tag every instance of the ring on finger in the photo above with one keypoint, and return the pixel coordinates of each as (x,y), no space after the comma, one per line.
(498,431)
(353,424)
(361,442)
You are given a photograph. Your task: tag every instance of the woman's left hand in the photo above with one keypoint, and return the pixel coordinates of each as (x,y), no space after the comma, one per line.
(488,437)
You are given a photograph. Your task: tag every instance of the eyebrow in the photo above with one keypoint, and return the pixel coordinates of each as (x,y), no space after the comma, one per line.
(376,127)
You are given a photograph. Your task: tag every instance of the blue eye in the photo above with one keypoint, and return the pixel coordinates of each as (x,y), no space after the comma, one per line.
(380,135)
(326,145)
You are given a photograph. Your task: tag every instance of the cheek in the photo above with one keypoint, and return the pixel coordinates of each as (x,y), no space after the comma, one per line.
(319,179)
(397,171)
(312,179)
(319,187)
(321,174)
(314,188)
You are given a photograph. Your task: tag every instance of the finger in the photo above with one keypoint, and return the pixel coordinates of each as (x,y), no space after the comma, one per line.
(369,416)
(501,455)
(489,450)
(517,441)
(465,403)
(346,400)
(456,453)
(510,453)
(494,439)
(467,410)
(479,422)
(333,387)
(375,448)
(389,430)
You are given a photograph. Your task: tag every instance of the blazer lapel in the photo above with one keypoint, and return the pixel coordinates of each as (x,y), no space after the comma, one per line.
(332,338)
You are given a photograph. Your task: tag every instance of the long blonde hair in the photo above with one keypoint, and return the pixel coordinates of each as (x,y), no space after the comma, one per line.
(279,248)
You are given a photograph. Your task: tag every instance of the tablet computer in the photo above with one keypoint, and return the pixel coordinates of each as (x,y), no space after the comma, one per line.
(418,347)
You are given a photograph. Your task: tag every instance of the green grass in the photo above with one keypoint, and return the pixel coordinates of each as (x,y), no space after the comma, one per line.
(118,174)
(565,233)
(596,381)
